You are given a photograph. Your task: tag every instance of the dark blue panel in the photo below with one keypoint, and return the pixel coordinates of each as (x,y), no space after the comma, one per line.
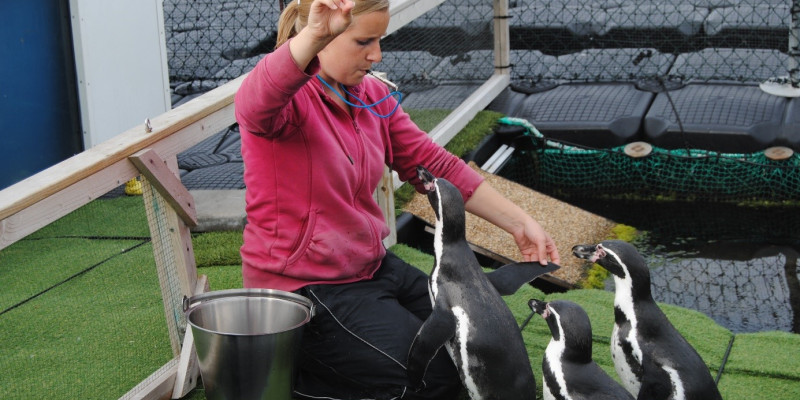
(725,118)
(597,115)
(38,101)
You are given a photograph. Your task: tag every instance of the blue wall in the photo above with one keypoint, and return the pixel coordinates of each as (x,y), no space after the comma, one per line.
(39,117)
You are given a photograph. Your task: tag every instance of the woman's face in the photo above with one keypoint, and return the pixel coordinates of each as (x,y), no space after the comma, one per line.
(347,58)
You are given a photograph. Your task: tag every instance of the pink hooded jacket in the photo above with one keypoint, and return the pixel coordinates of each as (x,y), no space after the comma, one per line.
(311,170)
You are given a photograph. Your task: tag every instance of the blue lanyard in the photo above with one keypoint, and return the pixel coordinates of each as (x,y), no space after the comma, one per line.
(363,104)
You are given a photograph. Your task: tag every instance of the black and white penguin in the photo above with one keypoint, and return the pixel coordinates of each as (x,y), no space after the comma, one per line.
(568,370)
(651,357)
(470,318)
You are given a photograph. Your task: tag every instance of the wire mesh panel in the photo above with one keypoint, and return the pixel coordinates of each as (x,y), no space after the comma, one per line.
(81,314)
(722,35)
(212,41)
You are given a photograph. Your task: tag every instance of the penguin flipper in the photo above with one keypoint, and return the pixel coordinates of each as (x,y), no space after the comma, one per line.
(656,384)
(432,335)
(509,278)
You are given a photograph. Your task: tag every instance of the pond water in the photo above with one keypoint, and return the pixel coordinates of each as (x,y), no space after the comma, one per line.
(736,264)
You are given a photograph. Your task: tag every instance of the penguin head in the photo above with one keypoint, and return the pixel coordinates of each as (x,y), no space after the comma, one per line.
(427,179)
(568,322)
(620,258)
(447,202)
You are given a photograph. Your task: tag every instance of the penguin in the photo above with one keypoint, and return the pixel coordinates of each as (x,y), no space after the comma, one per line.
(653,360)
(568,370)
(469,317)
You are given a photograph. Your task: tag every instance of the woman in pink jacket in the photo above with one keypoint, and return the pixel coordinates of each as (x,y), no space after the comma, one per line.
(316,134)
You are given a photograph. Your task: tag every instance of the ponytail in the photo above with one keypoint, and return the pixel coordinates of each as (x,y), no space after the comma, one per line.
(287,23)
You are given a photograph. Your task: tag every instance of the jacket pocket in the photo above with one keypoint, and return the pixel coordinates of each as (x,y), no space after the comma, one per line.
(304,236)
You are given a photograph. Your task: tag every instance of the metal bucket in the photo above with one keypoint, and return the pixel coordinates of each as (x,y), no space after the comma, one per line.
(247,340)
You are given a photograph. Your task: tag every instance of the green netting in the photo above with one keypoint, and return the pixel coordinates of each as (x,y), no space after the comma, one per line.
(686,174)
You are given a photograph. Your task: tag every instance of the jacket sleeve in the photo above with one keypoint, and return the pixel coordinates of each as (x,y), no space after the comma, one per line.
(411,146)
(262,99)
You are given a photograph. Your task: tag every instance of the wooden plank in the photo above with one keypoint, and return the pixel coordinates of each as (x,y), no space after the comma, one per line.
(37,213)
(34,217)
(157,386)
(404,11)
(476,102)
(167,184)
(76,168)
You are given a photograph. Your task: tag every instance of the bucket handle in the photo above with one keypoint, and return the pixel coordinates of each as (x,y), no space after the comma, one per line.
(189,302)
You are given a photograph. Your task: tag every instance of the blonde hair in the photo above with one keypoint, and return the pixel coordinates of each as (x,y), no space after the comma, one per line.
(295,16)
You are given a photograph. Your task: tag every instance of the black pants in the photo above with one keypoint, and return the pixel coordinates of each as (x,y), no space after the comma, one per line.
(356,346)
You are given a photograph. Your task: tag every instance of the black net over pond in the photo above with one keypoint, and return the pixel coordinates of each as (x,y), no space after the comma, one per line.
(649,172)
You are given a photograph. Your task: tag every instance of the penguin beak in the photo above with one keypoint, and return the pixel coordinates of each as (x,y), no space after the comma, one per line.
(539,307)
(428,180)
(588,252)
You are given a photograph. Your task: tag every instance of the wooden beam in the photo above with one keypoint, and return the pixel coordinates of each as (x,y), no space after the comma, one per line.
(157,386)
(40,214)
(37,212)
(404,11)
(476,102)
(174,258)
(167,184)
(76,168)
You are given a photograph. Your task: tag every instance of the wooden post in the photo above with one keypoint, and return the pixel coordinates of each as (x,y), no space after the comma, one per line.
(502,41)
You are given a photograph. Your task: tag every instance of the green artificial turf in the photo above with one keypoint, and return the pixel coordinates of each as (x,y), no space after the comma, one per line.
(92,337)
(217,248)
(428,119)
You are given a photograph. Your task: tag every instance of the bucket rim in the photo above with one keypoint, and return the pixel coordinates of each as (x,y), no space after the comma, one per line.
(191,303)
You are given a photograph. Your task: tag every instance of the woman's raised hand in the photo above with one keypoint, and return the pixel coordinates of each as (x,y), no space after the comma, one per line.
(329,18)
